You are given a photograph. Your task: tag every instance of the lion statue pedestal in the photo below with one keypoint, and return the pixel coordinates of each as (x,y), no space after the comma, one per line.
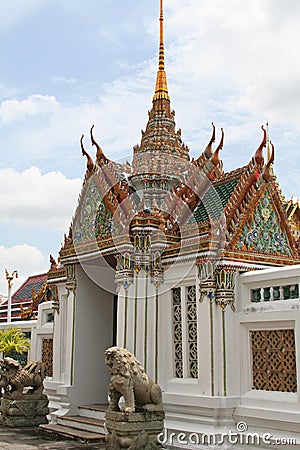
(23,403)
(141,419)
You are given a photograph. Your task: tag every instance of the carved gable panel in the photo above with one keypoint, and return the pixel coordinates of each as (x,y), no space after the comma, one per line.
(92,218)
(262,232)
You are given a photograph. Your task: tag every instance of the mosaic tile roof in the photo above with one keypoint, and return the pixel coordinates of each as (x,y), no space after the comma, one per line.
(209,207)
(24,293)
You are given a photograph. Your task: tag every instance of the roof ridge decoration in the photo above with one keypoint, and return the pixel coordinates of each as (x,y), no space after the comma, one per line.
(215,159)
(269,143)
(161,88)
(90,163)
(259,159)
(257,182)
(250,182)
(268,172)
(100,157)
(211,158)
(208,151)
(36,299)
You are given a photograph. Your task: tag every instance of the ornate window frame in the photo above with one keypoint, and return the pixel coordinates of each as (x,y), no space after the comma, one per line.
(185,332)
(245,357)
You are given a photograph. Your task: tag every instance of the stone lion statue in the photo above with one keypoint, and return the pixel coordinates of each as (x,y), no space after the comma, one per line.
(14,378)
(128,379)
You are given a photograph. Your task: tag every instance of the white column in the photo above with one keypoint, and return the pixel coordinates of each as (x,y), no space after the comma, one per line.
(9,305)
(70,306)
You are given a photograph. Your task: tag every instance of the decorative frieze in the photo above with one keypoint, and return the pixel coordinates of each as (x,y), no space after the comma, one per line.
(207,280)
(71,279)
(225,285)
(157,272)
(124,270)
(217,284)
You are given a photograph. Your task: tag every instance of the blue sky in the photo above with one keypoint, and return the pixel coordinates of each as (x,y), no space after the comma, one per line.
(68,64)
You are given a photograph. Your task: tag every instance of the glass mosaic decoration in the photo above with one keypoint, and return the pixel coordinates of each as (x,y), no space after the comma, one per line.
(263,233)
(94,219)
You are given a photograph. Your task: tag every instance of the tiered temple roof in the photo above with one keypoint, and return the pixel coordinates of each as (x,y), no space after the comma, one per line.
(164,188)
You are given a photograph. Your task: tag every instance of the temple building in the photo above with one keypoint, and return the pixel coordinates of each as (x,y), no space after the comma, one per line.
(25,301)
(191,268)
(32,297)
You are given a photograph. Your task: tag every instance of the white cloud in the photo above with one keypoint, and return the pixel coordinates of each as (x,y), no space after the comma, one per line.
(241,48)
(46,128)
(232,62)
(65,80)
(26,259)
(36,104)
(36,199)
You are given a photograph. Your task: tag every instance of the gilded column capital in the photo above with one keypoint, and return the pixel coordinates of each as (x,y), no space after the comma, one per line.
(71,278)
(225,287)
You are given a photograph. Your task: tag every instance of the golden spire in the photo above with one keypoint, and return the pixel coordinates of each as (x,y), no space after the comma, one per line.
(161,88)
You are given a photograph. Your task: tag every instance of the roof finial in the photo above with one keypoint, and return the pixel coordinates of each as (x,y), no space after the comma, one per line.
(215,159)
(161,88)
(259,159)
(268,172)
(161,38)
(208,150)
(269,148)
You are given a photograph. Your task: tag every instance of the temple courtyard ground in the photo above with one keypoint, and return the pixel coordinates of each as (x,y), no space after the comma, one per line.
(31,438)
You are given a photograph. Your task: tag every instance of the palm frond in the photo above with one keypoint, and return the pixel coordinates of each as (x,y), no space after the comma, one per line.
(13,340)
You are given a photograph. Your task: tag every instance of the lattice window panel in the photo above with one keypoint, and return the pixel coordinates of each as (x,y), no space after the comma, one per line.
(274,360)
(192,335)
(177,333)
(47,356)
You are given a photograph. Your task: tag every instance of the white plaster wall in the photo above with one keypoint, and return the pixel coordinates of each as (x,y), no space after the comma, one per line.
(233,349)
(43,330)
(171,385)
(273,410)
(93,334)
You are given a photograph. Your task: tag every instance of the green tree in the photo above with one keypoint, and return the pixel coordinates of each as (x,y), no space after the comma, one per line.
(13,340)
